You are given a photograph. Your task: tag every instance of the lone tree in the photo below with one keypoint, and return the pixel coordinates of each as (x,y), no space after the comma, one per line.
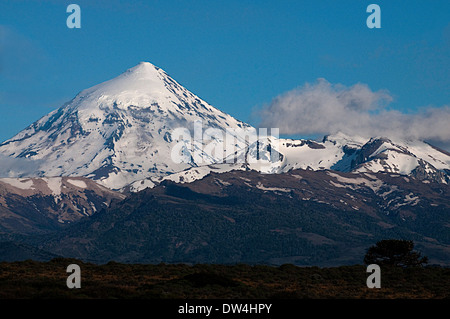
(394,252)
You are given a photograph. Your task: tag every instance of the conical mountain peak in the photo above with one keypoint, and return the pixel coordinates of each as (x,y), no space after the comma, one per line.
(119,131)
(140,85)
(144,69)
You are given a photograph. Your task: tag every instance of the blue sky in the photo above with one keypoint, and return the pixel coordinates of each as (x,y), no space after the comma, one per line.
(236,55)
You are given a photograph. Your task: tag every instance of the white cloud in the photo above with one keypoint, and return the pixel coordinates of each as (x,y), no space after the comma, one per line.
(325,108)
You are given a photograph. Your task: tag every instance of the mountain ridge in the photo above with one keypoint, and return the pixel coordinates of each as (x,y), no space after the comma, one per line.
(142,127)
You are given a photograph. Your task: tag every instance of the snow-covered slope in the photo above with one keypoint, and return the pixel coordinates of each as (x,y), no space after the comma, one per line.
(121,131)
(338,152)
(142,127)
(404,157)
(355,154)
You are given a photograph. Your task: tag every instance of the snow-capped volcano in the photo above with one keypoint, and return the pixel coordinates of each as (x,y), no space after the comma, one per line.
(143,127)
(121,130)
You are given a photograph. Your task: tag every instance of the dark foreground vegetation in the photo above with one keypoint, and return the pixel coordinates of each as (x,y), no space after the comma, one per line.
(31,279)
